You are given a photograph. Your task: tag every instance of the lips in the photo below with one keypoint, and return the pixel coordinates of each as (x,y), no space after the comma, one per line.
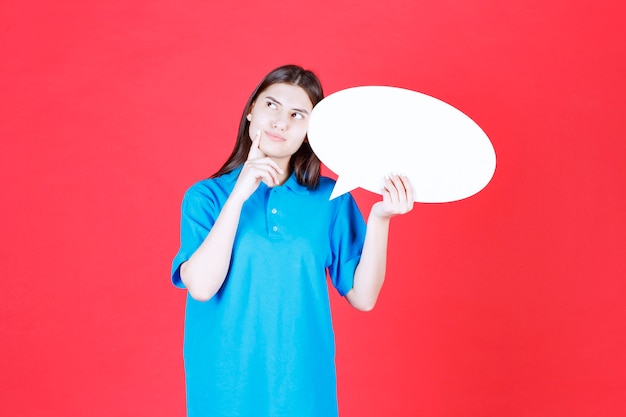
(275,138)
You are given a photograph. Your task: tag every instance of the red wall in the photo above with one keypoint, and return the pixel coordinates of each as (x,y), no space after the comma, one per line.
(510,303)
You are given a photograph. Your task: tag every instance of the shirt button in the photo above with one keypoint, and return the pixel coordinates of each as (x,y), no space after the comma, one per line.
(275,228)
(274,211)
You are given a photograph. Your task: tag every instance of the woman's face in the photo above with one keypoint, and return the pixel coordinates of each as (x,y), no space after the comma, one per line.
(281,112)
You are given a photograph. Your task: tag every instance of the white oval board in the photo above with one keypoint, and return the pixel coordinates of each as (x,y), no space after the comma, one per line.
(365,133)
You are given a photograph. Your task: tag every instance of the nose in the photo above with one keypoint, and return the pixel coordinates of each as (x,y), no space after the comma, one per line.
(279,124)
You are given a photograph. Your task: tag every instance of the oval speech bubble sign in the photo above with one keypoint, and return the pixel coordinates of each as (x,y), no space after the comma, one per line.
(365,133)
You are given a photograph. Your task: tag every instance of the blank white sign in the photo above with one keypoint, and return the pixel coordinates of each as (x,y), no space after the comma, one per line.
(365,133)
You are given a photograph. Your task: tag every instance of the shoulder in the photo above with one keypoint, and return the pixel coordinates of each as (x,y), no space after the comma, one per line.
(209,185)
(212,189)
(324,191)
(202,188)
(324,188)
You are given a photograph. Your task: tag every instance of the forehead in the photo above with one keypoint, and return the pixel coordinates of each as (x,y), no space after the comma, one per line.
(288,95)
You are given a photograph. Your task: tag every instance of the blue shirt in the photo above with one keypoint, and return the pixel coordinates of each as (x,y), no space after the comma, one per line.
(264,344)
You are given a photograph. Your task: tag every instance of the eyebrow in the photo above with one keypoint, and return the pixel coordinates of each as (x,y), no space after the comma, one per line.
(278,102)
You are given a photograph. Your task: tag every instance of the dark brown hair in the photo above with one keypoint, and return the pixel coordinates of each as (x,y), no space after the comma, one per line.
(304,162)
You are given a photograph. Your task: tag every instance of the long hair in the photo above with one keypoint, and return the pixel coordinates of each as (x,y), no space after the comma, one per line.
(303,162)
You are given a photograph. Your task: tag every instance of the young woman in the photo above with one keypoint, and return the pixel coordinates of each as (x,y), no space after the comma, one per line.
(257,240)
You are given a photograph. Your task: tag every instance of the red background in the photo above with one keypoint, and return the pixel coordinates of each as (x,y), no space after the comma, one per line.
(509,303)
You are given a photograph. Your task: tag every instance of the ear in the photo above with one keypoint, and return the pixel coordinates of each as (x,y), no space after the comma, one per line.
(249,116)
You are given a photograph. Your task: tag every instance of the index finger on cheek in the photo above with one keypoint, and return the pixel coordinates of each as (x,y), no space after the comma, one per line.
(254,148)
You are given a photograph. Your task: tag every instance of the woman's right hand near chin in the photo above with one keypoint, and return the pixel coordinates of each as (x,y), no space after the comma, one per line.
(258,167)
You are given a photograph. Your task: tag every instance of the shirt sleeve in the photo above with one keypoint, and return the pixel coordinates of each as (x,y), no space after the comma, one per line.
(347,238)
(198,214)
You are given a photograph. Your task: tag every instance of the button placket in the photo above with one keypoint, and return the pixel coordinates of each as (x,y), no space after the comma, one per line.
(272,216)
(274,219)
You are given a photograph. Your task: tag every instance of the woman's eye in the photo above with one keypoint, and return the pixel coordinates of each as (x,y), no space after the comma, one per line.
(271,105)
(298,116)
